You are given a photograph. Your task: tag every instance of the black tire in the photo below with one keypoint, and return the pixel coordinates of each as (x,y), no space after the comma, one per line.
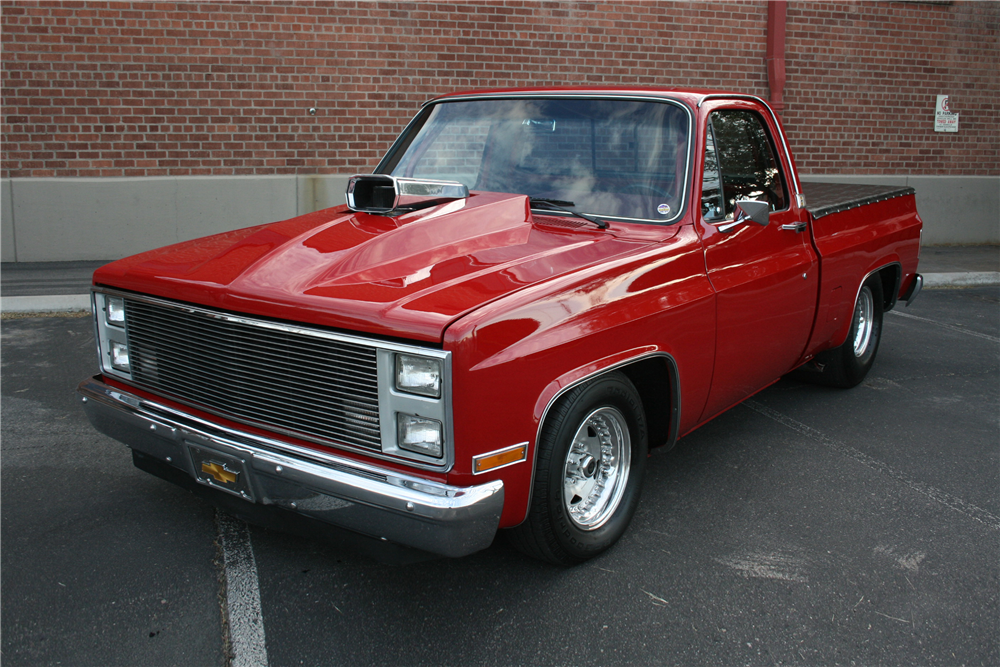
(846,366)
(572,517)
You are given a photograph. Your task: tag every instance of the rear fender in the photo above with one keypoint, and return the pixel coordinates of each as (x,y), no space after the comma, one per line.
(891,272)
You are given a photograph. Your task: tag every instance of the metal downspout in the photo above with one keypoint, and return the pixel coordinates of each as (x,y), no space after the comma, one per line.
(776,11)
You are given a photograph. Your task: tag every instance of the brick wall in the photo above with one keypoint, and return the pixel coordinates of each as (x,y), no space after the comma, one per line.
(864,78)
(156,89)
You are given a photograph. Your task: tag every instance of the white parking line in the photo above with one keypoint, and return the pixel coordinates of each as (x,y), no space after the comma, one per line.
(946,326)
(935,494)
(246,622)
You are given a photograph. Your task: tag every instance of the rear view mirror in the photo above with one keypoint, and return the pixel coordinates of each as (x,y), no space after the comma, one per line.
(546,125)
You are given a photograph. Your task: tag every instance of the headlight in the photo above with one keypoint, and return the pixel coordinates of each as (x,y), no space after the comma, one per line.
(112,338)
(115,310)
(420,435)
(414,391)
(119,356)
(418,375)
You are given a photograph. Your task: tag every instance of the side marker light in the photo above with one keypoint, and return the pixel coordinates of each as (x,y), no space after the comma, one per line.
(499,458)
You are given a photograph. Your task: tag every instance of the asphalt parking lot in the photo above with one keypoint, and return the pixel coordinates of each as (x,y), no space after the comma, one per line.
(807,526)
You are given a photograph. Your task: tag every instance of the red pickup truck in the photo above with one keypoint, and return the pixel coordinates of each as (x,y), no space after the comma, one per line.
(533,289)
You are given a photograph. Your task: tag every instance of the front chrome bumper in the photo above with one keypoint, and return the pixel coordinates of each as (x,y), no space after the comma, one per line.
(428,515)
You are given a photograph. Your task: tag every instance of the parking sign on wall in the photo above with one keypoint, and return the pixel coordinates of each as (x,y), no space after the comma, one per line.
(944,119)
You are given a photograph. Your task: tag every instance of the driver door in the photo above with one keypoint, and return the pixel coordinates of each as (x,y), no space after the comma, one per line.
(765,275)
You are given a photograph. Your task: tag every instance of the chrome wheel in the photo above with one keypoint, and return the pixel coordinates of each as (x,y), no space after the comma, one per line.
(596,469)
(863,317)
(590,463)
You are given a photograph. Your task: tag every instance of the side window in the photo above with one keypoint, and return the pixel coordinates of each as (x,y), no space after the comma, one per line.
(746,160)
(712,206)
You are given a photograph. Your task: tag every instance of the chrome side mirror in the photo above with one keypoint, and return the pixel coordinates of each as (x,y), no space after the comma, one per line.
(380,193)
(758,211)
(748,209)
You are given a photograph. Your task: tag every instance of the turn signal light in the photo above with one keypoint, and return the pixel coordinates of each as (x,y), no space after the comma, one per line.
(499,458)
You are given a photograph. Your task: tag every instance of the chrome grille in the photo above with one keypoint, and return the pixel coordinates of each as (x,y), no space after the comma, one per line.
(272,377)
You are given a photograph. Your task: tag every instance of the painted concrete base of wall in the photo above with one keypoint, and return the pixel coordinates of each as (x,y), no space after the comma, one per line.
(66,219)
(956,210)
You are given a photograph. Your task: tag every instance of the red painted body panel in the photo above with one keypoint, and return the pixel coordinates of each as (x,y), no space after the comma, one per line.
(519,352)
(528,308)
(406,277)
(851,245)
(766,280)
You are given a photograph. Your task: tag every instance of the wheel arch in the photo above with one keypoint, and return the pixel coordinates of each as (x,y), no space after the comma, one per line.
(891,275)
(655,377)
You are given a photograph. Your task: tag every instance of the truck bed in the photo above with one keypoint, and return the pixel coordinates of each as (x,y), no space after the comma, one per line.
(857,230)
(828,198)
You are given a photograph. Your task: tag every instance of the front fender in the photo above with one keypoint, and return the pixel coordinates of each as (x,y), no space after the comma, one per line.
(513,358)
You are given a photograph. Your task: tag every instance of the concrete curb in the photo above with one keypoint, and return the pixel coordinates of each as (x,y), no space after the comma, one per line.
(963,279)
(81,302)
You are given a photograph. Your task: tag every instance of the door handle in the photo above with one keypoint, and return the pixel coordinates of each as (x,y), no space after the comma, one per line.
(796,227)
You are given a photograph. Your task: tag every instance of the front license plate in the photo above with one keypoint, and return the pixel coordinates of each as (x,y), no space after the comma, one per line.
(221,471)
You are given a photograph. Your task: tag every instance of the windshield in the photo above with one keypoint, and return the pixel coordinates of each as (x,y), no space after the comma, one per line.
(613,158)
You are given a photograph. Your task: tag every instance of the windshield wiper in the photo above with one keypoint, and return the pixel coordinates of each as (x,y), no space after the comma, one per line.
(560,205)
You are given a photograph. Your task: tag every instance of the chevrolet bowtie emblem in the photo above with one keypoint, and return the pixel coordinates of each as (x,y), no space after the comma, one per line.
(219,472)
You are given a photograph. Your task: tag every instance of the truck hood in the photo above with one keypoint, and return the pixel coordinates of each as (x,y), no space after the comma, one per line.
(408,276)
